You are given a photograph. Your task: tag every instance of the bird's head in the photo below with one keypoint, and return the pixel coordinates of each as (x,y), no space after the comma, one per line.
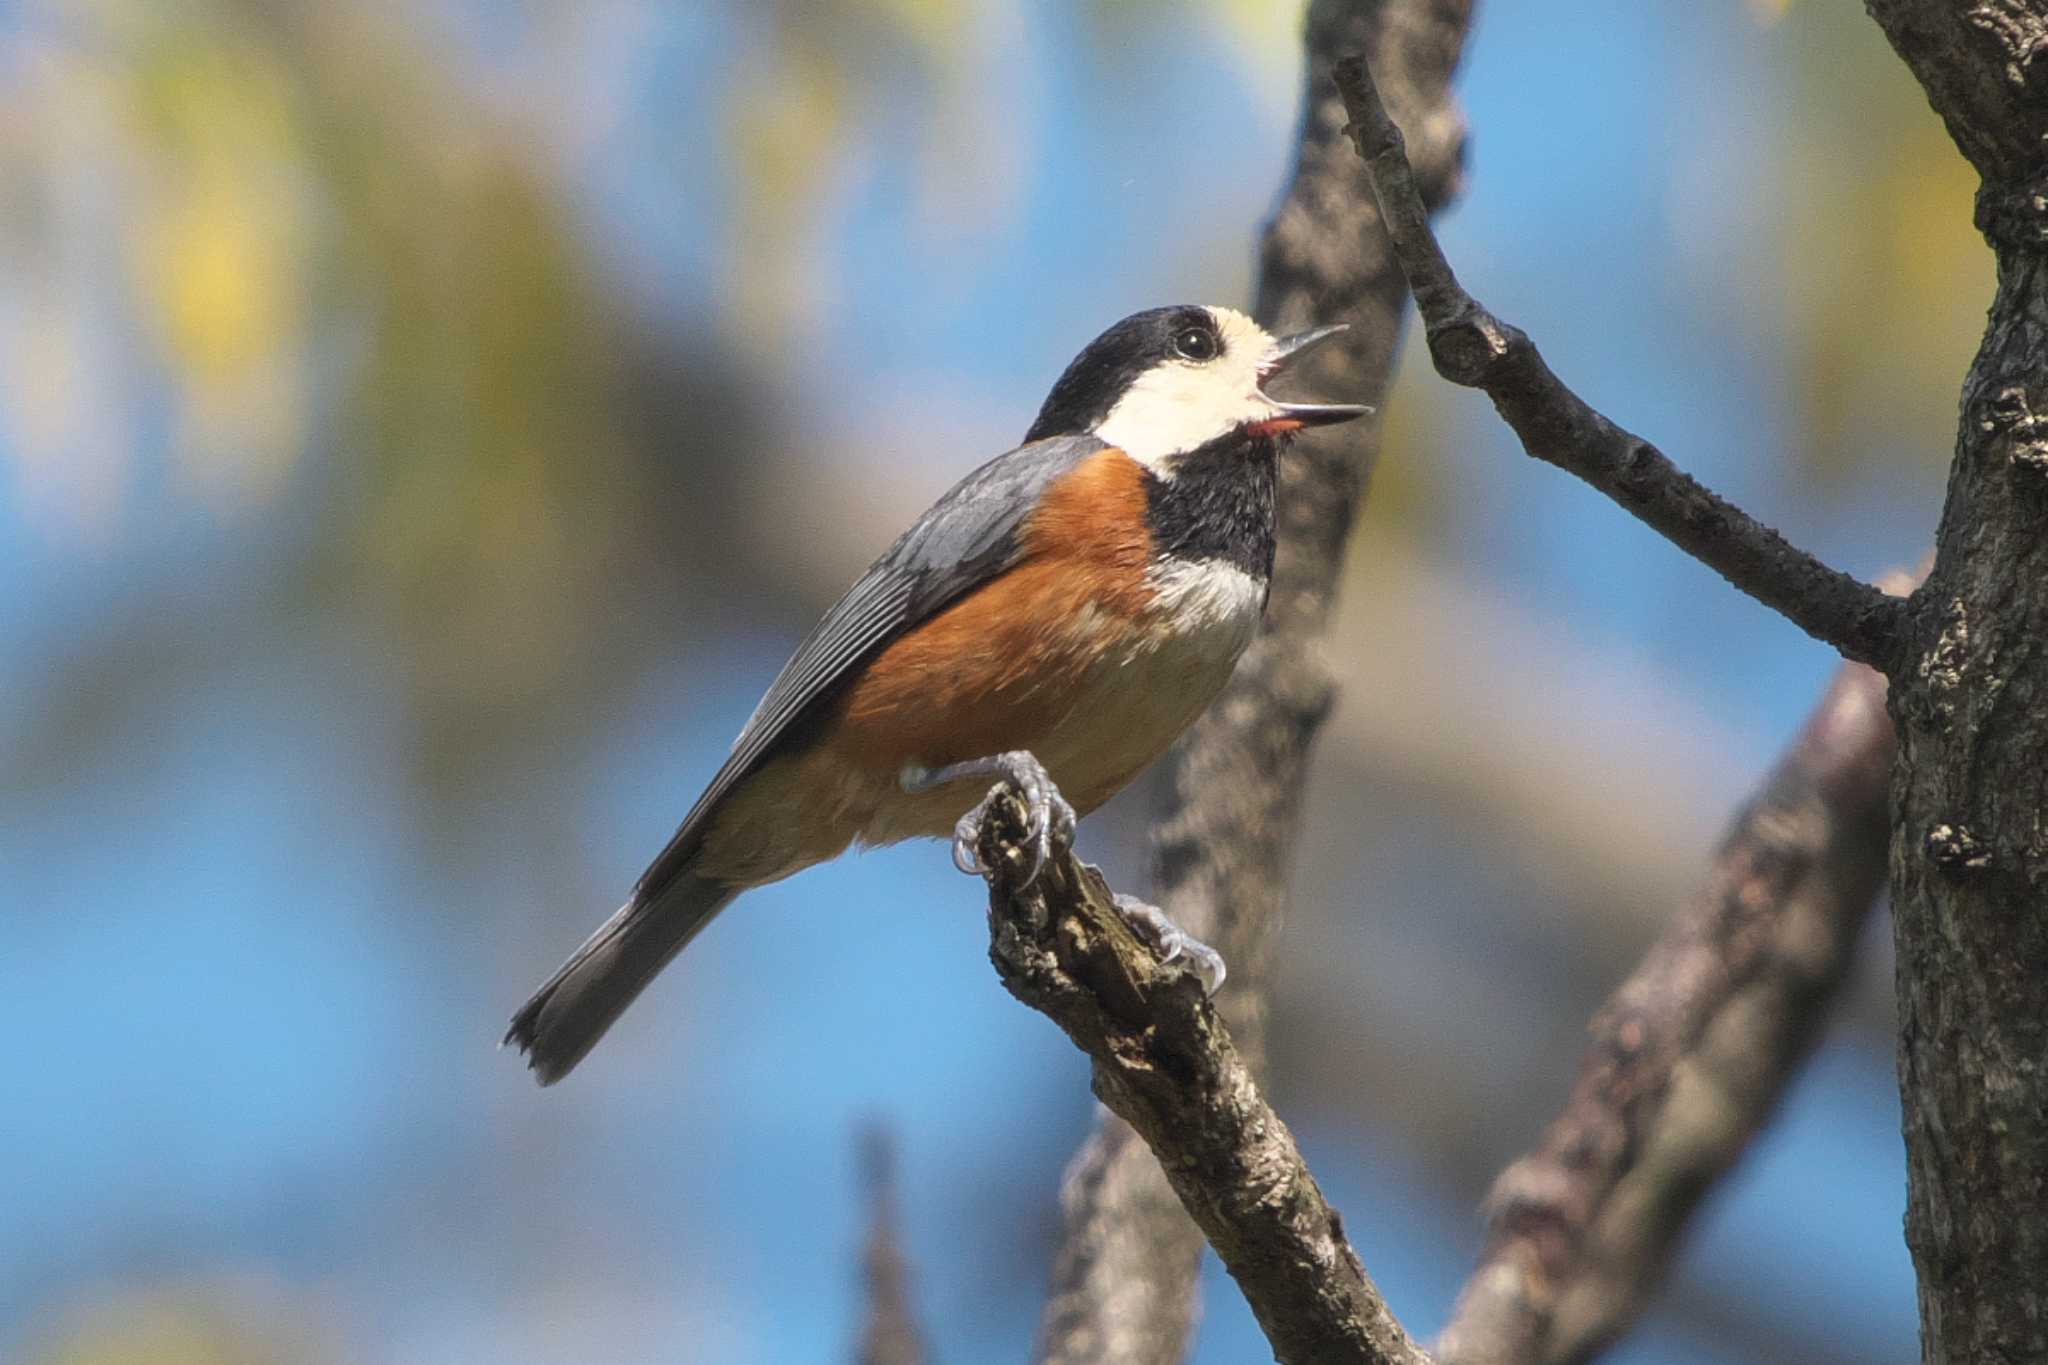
(1168,381)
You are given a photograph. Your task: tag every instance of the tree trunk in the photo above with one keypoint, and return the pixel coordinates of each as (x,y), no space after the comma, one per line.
(1970,796)
(1970,864)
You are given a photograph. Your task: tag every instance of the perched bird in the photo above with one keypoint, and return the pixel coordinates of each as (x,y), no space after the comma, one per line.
(1054,622)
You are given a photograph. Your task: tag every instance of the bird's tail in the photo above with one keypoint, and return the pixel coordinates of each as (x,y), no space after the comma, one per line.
(567,1016)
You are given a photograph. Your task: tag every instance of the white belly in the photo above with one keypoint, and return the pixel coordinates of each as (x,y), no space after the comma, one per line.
(1149,686)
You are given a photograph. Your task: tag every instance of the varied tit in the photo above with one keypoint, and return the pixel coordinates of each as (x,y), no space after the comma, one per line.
(1054,623)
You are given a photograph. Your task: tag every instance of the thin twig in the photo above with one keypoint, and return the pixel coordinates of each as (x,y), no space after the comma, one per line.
(1690,1056)
(1165,1063)
(1472,347)
(889,1336)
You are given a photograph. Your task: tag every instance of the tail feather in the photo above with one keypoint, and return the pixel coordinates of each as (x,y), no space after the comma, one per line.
(567,1016)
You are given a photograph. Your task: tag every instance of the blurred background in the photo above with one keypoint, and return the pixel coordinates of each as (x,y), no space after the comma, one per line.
(424,428)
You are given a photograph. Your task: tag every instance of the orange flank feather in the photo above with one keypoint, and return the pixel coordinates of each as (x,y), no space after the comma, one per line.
(996,667)
(1018,663)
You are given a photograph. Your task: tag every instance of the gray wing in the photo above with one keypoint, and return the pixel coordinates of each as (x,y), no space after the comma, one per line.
(968,537)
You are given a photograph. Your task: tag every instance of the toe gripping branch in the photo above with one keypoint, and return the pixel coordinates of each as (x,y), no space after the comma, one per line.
(1064,945)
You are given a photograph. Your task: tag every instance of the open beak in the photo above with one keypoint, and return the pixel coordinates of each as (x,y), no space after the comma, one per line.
(1294,416)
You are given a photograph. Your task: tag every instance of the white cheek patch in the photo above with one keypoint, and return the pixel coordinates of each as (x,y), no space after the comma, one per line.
(1175,407)
(1179,405)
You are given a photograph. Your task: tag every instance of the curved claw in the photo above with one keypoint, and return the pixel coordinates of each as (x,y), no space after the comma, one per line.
(1041,848)
(967,842)
(1172,942)
(1060,833)
(1048,818)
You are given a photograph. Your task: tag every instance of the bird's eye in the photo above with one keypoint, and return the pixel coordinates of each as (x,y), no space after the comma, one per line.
(1195,343)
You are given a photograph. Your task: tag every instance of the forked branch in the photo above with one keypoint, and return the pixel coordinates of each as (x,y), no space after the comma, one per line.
(1473,348)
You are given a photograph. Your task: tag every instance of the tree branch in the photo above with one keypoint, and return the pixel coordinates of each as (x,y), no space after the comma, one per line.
(1691,1054)
(1473,348)
(889,1336)
(1124,1285)
(1165,1063)
(1688,1060)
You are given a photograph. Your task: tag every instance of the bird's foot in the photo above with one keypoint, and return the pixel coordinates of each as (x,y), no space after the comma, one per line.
(1173,942)
(1048,819)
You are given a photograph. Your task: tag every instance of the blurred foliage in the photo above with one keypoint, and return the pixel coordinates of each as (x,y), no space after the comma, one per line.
(235,1324)
(482,422)
(1885,277)
(343,273)
(263,170)
(220,251)
(830,122)
(305,265)
(1264,38)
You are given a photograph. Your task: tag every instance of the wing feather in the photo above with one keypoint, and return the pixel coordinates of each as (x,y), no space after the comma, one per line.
(968,537)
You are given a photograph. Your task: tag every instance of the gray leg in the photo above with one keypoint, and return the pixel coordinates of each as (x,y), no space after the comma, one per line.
(1174,941)
(1048,817)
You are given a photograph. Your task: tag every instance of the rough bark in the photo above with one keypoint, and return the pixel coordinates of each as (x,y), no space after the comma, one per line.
(1690,1056)
(1970,838)
(1165,1063)
(1977,64)
(1124,1277)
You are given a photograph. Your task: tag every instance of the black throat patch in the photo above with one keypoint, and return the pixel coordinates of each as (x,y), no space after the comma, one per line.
(1218,504)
